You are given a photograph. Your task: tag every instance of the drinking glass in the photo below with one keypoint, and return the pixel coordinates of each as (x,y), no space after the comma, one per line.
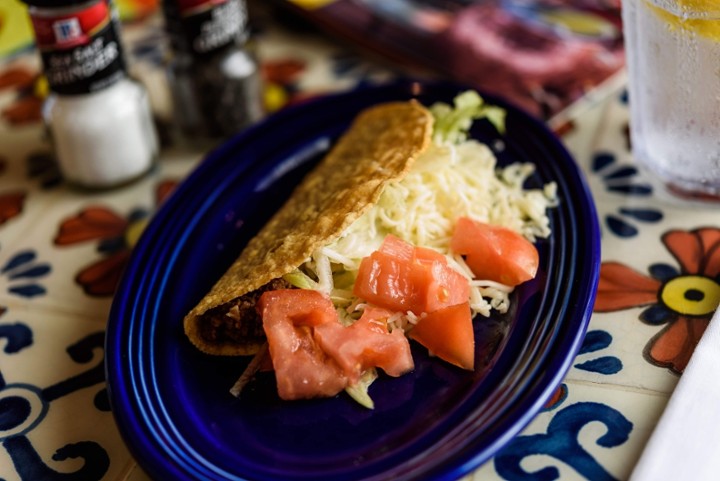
(673,62)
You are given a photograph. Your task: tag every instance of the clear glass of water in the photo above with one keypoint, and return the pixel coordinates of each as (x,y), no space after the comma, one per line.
(673,62)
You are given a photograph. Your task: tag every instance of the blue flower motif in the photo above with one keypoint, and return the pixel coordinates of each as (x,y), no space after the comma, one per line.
(623,97)
(17,337)
(562,442)
(619,178)
(23,272)
(24,406)
(596,341)
(149,49)
(43,167)
(622,179)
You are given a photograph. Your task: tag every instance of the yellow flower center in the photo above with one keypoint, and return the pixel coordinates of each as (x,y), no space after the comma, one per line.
(691,295)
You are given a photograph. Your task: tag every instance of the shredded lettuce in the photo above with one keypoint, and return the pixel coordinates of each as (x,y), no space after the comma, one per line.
(452,123)
(359,391)
(299,279)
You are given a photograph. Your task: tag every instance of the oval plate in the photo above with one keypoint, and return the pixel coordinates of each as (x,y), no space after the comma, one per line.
(171,402)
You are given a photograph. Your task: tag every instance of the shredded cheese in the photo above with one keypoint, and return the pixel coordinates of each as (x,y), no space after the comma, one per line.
(447,181)
(455,177)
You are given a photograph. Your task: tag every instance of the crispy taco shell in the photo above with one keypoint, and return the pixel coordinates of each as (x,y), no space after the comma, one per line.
(379,147)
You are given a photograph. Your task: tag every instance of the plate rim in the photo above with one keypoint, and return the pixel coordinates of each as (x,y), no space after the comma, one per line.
(569,345)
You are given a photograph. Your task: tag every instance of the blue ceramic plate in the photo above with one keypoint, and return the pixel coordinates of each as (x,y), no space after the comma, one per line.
(171,402)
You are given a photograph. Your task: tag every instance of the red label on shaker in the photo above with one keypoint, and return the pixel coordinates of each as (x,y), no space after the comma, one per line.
(81,52)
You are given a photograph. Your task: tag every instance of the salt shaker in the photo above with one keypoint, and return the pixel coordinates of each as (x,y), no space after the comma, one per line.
(213,74)
(98,117)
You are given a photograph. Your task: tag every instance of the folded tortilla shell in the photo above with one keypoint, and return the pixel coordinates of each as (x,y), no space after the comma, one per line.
(379,147)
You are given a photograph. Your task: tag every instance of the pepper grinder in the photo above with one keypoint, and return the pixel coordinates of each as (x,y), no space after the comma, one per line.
(213,75)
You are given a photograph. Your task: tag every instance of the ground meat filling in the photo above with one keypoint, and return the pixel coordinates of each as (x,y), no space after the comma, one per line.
(238,321)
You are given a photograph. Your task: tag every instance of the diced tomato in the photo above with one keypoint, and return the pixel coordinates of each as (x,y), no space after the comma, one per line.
(302,368)
(448,334)
(314,355)
(367,343)
(402,277)
(396,247)
(495,253)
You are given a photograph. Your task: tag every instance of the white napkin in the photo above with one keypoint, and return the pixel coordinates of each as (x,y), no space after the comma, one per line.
(685,445)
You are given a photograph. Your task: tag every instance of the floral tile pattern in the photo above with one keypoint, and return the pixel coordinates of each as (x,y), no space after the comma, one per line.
(682,298)
(52,365)
(592,432)
(62,251)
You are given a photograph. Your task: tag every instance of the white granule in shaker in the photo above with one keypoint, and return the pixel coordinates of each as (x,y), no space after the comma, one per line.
(99,118)
(103,138)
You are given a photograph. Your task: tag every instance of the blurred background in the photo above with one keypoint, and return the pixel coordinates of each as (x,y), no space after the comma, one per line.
(543,55)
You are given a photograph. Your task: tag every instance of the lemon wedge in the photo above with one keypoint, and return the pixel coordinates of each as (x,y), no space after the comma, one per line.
(701,17)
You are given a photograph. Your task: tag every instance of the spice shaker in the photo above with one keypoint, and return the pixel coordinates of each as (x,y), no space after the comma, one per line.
(213,74)
(99,118)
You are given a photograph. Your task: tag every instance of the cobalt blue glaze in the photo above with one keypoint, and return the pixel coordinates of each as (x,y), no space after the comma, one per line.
(171,402)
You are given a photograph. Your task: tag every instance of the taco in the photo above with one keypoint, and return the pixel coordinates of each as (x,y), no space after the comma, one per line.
(407,229)
(379,147)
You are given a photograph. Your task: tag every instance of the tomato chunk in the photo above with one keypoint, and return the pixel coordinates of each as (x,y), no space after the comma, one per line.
(448,334)
(302,368)
(495,253)
(314,355)
(402,277)
(367,343)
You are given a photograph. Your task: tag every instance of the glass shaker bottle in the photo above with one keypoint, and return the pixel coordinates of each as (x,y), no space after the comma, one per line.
(98,117)
(213,74)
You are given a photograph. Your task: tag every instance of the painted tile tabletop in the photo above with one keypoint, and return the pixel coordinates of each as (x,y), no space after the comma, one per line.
(61,252)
